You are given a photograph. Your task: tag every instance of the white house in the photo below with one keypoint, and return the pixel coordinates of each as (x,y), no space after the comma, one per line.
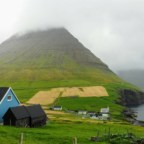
(57,108)
(104,110)
(105,116)
(82,112)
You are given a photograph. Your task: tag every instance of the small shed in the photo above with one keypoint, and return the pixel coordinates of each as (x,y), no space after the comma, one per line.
(22,116)
(37,115)
(17,116)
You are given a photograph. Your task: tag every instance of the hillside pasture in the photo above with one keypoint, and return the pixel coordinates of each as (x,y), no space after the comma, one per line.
(49,97)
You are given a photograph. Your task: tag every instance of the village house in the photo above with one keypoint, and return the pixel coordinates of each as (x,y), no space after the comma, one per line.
(7,99)
(102,115)
(56,108)
(82,112)
(105,113)
(91,113)
(96,116)
(22,116)
(104,110)
(105,116)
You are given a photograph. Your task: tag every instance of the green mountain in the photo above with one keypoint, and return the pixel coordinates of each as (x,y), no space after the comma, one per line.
(42,60)
(50,55)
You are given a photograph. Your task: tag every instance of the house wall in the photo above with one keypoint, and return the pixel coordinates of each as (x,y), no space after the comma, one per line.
(82,112)
(38,121)
(25,122)
(6,104)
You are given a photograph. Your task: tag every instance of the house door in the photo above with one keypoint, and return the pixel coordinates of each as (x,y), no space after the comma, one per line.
(10,122)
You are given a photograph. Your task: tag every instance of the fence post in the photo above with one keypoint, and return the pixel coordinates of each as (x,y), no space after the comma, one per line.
(75,140)
(21,138)
(109,132)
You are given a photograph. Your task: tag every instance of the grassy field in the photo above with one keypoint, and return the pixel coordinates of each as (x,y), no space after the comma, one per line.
(62,128)
(64,132)
(26,89)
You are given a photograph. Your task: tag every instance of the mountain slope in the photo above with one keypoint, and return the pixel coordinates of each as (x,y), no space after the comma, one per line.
(51,54)
(56,45)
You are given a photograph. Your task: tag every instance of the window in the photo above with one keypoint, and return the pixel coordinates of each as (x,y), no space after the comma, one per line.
(9,98)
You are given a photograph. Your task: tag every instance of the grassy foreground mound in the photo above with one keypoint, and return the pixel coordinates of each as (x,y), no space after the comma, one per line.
(63,133)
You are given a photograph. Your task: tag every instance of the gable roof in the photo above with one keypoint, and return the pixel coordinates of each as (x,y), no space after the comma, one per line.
(3,91)
(35,111)
(19,112)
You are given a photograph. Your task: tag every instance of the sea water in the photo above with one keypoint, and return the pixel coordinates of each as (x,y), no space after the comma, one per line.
(139,110)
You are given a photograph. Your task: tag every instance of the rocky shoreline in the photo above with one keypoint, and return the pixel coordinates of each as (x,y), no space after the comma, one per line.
(131,116)
(131,98)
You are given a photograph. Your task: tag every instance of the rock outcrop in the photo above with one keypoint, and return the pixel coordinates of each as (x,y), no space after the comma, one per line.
(131,98)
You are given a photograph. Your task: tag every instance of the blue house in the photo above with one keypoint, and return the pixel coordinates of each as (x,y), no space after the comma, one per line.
(7,99)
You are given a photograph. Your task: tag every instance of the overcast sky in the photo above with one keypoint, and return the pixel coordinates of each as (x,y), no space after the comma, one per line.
(112,29)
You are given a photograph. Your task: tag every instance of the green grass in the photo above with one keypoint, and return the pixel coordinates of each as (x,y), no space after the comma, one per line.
(91,104)
(63,133)
(96,103)
(26,89)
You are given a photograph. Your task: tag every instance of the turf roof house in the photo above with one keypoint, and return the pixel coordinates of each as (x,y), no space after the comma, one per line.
(7,99)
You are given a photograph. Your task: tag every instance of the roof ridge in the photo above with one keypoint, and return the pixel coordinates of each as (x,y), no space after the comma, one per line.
(3,91)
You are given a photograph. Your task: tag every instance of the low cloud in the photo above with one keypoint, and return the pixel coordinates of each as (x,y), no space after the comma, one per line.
(112,30)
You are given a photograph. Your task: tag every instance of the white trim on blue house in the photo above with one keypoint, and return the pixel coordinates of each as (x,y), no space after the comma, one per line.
(6,94)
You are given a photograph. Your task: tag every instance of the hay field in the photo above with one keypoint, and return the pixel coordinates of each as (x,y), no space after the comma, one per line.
(93,91)
(48,97)
(44,97)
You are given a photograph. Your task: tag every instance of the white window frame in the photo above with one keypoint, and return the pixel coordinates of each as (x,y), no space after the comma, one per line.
(8,98)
